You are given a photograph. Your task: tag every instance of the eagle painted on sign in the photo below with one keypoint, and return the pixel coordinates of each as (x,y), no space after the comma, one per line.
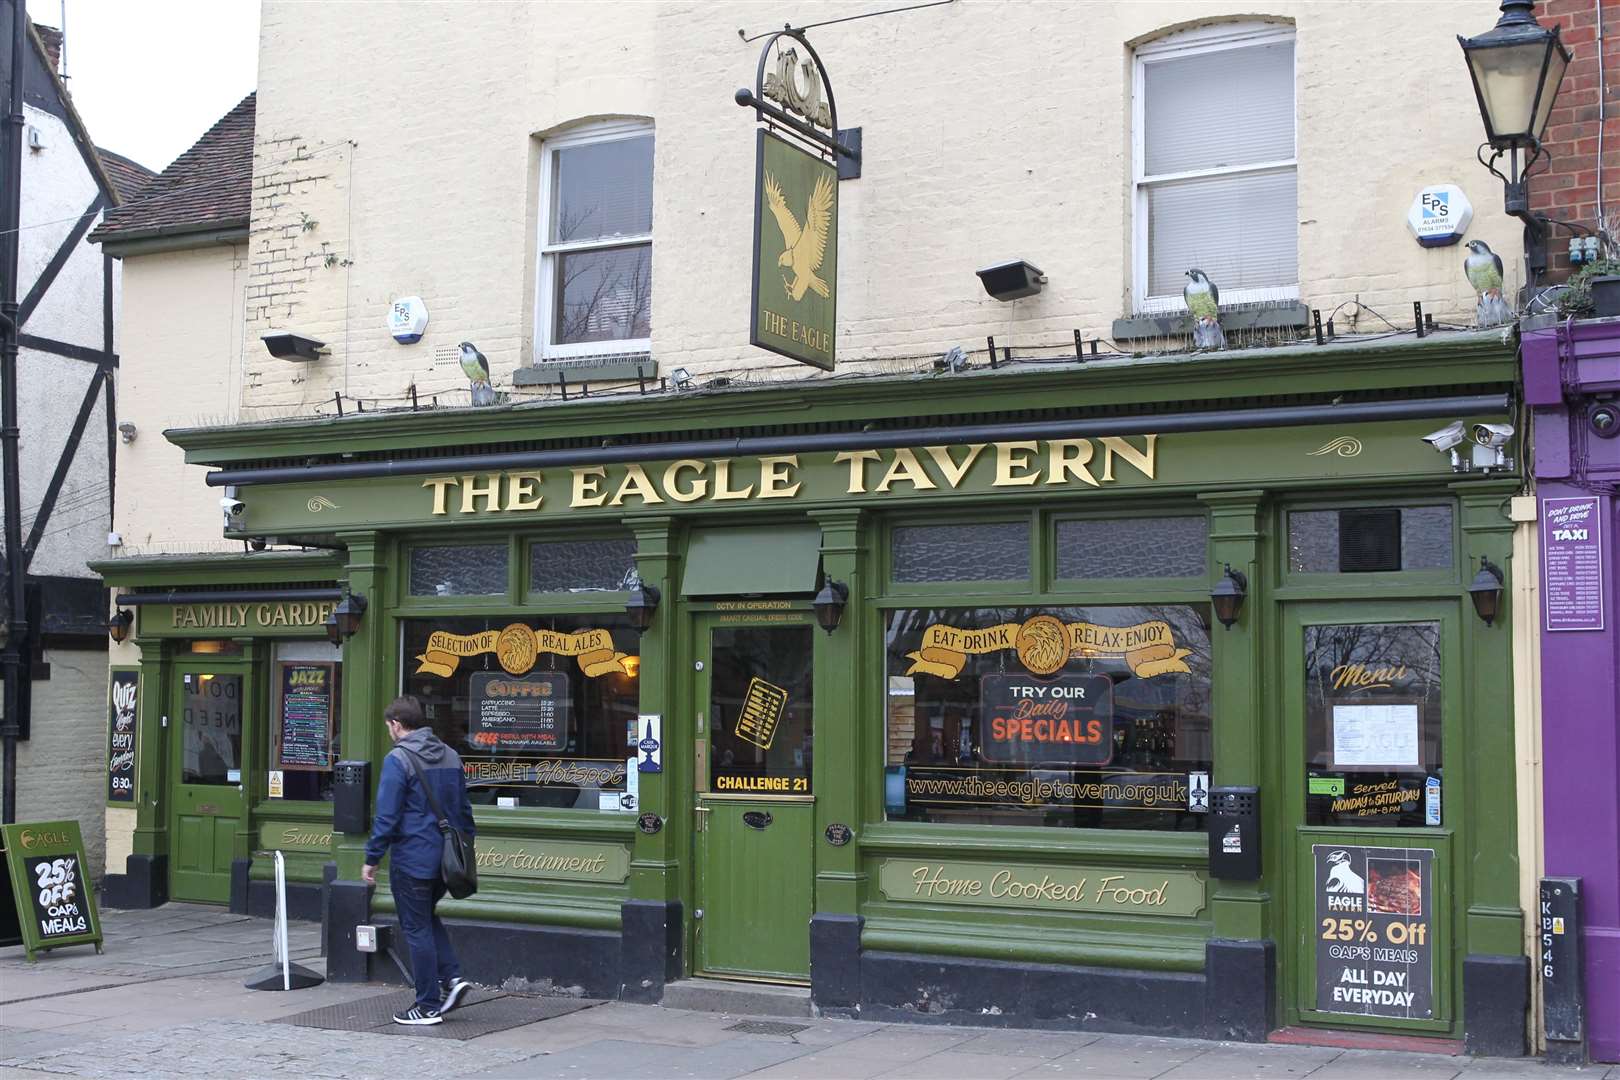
(804,248)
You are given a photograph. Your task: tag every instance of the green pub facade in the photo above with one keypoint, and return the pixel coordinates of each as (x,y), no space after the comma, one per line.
(1132,695)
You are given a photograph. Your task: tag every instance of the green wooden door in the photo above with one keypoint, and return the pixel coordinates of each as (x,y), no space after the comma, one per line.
(755,807)
(205,793)
(1373,771)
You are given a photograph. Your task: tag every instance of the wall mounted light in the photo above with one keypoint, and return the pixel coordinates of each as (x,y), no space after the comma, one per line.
(641,604)
(1486,590)
(1516,67)
(286,345)
(127,432)
(118,626)
(830,603)
(1011,280)
(344,621)
(1228,594)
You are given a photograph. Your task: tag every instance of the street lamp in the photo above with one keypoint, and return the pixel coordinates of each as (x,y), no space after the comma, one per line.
(1516,67)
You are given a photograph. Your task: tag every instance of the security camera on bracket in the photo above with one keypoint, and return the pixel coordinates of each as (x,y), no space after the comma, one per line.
(1489,440)
(1447,439)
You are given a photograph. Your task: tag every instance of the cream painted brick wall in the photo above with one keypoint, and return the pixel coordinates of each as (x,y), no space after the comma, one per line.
(62,767)
(181,366)
(397,155)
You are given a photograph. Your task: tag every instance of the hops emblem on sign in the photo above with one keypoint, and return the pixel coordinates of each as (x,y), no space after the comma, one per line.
(515,649)
(1043,644)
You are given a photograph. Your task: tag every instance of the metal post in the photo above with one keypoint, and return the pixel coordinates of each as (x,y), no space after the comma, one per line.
(10,218)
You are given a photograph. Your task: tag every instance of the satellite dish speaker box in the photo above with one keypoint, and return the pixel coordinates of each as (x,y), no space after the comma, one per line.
(1234,833)
(351,797)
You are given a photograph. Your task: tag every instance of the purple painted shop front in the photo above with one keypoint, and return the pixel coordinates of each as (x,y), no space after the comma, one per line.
(1567,369)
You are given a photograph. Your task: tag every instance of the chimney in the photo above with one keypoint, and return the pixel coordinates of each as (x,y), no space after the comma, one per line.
(52,37)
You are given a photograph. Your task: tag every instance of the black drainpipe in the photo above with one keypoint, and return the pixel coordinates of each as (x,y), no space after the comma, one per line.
(1286,416)
(11,660)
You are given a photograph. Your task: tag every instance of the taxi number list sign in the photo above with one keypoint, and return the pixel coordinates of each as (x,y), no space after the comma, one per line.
(1374,930)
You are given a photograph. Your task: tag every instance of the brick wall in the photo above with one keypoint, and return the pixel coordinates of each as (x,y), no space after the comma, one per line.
(1569,190)
(62,767)
(406,163)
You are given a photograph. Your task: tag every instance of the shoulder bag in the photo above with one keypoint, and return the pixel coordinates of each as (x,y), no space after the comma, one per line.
(459,867)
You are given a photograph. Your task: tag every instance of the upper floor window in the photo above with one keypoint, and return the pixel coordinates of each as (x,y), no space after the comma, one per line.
(595,280)
(1214,166)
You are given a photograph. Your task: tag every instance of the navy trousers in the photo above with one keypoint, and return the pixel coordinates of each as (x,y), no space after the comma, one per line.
(433,961)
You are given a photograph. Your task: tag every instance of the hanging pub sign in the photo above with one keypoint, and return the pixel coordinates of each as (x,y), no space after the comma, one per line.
(795,241)
(1374,941)
(121,735)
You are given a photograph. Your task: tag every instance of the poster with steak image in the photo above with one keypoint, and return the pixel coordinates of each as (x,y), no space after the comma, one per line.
(1374,930)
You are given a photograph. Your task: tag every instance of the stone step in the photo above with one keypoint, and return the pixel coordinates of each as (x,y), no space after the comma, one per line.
(737,998)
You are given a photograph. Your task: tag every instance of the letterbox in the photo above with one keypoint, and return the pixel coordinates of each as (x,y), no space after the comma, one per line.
(351,797)
(1234,833)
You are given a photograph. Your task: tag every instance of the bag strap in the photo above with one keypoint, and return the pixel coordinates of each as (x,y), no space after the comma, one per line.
(416,766)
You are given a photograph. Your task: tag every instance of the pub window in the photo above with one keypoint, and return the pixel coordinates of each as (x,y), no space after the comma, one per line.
(541,709)
(1370,539)
(306,729)
(596,565)
(595,279)
(1373,725)
(1078,717)
(459,570)
(1133,547)
(983,551)
(1215,173)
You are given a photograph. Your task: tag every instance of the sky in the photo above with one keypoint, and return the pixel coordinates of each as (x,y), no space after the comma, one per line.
(150,76)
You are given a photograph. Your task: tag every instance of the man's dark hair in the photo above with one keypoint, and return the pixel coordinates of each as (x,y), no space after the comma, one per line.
(406,712)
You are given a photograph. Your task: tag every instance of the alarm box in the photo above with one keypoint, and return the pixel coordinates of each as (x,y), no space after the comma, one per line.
(351,797)
(1234,833)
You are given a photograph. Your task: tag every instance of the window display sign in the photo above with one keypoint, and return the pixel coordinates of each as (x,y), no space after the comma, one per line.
(517,647)
(1044,644)
(1376,737)
(1374,941)
(1067,720)
(304,738)
(121,736)
(762,709)
(1572,552)
(529,713)
(55,904)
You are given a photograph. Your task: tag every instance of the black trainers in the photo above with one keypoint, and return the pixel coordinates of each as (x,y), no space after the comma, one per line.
(453,993)
(416,1016)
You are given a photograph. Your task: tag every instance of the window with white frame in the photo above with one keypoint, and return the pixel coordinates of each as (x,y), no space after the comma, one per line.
(595,279)
(1214,165)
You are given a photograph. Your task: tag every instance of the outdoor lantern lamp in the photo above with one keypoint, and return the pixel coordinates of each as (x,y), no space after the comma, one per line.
(1486,590)
(640,606)
(1228,594)
(1516,67)
(118,626)
(345,619)
(830,603)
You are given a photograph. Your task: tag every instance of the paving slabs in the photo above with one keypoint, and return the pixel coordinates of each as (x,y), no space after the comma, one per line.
(482,1014)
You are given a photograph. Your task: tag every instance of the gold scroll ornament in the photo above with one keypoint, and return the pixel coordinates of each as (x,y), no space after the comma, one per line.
(1045,643)
(517,647)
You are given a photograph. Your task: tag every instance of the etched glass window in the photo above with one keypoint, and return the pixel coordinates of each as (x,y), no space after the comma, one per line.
(1080,717)
(459,570)
(990,551)
(582,565)
(1137,547)
(1366,540)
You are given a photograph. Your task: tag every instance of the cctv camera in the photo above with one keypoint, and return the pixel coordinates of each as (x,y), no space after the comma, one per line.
(1447,437)
(232,506)
(1492,435)
(1603,418)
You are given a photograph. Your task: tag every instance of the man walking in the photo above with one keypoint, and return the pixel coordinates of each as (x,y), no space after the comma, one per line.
(406,823)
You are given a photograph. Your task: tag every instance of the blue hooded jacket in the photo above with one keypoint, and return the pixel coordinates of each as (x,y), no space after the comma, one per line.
(404,818)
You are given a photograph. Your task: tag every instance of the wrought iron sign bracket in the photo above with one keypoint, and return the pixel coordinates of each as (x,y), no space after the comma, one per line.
(779,94)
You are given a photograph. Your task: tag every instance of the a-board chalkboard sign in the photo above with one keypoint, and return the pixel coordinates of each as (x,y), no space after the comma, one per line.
(121,735)
(55,904)
(529,712)
(308,699)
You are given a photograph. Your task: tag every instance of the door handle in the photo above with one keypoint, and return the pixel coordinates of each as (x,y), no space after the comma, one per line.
(702,822)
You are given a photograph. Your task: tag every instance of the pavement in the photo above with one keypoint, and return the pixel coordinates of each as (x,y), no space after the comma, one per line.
(166,1000)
